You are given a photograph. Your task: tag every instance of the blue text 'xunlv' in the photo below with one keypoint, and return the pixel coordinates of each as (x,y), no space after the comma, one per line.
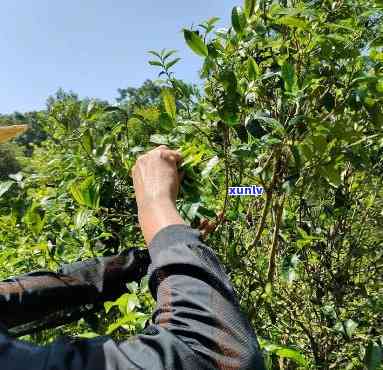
(246,190)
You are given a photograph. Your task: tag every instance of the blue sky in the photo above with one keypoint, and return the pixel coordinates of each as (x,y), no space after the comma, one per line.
(92,47)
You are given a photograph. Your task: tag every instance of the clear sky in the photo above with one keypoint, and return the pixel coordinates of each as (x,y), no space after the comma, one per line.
(92,47)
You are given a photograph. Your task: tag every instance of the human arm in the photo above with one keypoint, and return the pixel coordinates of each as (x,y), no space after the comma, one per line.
(197,323)
(156,183)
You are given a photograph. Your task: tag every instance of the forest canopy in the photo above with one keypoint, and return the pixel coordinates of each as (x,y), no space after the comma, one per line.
(292,101)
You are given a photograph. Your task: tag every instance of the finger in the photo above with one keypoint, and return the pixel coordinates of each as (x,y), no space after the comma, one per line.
(159,148)
(180,156)
(177,154)
(171,155)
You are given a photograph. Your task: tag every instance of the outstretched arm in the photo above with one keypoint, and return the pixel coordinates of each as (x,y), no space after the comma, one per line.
(197,323)
(156,183)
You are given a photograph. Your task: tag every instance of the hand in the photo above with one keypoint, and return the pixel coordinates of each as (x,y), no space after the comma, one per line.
(155,176)
(156,183)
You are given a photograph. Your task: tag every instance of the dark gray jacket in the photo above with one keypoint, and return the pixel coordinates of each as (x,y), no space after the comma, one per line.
(197,323)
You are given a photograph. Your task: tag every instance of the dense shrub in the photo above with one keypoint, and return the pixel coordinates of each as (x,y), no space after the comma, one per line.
(292,101)
(8,162)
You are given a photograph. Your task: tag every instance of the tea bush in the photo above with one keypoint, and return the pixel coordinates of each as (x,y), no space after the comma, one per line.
(292,101)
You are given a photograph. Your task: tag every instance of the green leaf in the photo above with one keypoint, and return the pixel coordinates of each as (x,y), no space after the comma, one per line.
(290,268)
(255,128)
(127,303)
(331,174)
(319,143)
(377,42)
(155,54)
(132,302)
(283,351)
(252,69)
(159,139)
(346,327)
(270,122)
(292,354)
(91,191)
(82,217)
(209,167)
(238,19)
(155,63)
(364,79)
(88,335)
(16,176)
(87,141)
(34,220)
(379,86)
(289,77)
(133,287)
(213,20)
(108,306)
(126,321)
(190,210)
(293,22)
(5,186)
(373,358)
(169,103)
(110,109)
(196,43)
(350,326)
(169,54)
(86,193)
(268,75)
(307,151)
(92,108)
(229,80)
(172,63)
(250,7)
(208,25)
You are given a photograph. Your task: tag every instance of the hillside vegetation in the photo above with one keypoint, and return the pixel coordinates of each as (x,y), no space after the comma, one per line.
(291,101)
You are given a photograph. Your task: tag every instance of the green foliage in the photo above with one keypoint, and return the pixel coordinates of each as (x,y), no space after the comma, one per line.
(292,102)
(252,69)
(8,161)
(163,60)
(170,104)
(373,359)
(146,95)
(238,19)
(283,352)
(196,43)
(250,7)
(86,193)
(130,319)
(5,186)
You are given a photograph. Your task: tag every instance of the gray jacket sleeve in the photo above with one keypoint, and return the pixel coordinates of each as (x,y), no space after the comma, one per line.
(197,323)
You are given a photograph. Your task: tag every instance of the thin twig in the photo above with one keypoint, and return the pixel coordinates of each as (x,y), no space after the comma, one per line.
(274,248)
